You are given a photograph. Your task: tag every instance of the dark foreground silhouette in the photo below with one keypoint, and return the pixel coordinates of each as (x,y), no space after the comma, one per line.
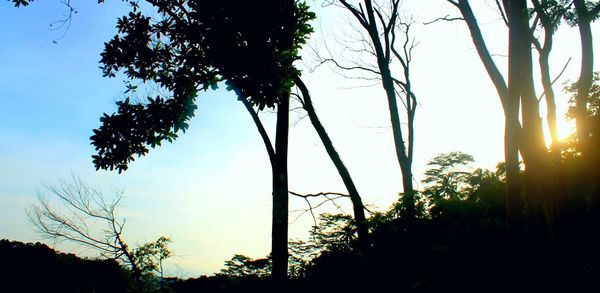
(461,247)
(28,267)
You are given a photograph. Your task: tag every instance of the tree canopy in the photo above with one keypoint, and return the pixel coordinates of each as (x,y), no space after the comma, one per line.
(251,46)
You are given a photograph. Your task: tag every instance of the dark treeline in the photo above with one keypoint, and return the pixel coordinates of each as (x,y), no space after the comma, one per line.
(28,267)
(458,242)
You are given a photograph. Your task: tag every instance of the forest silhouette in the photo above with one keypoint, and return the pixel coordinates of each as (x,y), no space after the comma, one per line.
(529,225)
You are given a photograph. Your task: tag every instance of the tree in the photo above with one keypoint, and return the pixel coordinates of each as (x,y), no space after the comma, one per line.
(357,204)
(522,135)
(572,150)
(242,266)
(194,46)
(583,17)
(549,14)
(150,256)
(84,216)
(592,104)
(444,179)
(389,41)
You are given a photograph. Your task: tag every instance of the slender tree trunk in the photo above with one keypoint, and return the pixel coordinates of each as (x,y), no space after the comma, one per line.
(279,234)
(387,82)
(483,52)
(366,17)
(544,61)
(586,74)
(590,172)
(357,204)
(514,201)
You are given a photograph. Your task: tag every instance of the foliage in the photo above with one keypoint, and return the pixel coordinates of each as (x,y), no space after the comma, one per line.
(195,45)
(400,207)
(242,266)
(593,115)
(335,232)
(18,3)
(570,15)
(301,256)
(150,256)
(552,10)
(593,102)
(444,179)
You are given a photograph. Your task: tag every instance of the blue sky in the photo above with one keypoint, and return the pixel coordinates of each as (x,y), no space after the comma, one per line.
(210,189)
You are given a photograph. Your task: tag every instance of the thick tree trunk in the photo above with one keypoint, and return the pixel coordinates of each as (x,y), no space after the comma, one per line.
(529,139)
(279,234)
(510,100)
(538,186)
(357,204)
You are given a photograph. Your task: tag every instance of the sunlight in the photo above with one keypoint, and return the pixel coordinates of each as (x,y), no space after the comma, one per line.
(565,129)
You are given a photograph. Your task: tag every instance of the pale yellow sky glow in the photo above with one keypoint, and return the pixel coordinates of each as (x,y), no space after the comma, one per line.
(210,189)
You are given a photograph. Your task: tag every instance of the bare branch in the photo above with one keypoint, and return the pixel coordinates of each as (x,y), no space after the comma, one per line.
(311,208)
(501,10)
(561,71)
(556,78)
(338,65)
(84,211)
(445,18)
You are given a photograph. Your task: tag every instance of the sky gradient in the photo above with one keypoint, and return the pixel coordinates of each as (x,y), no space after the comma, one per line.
(210,189)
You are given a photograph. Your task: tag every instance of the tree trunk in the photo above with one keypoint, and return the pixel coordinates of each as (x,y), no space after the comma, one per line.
(544,61)
(357,204)
(514,201)
(585,76)
(483,52)
(279,234)
(387,82)
(590,172)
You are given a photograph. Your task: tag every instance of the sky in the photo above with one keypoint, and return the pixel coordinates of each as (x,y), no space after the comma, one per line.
(210,189)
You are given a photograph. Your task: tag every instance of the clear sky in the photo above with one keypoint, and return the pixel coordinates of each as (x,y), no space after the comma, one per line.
(210,189)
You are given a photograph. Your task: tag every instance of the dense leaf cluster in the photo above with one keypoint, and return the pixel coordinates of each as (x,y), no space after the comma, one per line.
(250,45)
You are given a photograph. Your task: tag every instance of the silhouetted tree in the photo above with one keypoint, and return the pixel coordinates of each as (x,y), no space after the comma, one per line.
(84,216)
(357,204)
(75,220)
(518,98)
(243,266)
(34,267)
(548,13)
(192,47)
(585,13)
(389,41)
(445,179)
